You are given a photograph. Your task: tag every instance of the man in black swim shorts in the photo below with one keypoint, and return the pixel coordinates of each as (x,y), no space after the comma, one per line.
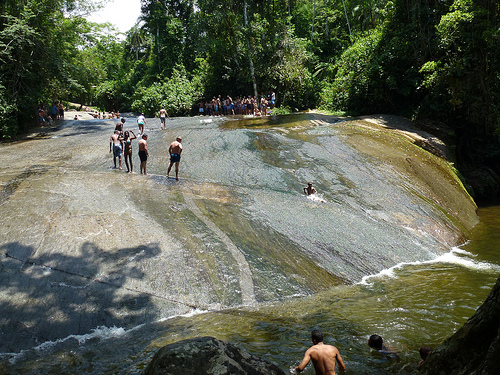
(143,152)
(175,151)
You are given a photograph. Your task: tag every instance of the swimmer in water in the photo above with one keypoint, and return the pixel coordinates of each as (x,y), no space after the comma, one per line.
(376,342)
(425,352)
(309,190)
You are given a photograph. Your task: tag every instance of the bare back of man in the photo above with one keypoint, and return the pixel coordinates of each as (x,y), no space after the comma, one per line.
(324,357)
(163,118)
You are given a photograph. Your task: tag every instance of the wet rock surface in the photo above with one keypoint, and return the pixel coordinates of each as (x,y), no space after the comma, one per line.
(85,246)
(207,355)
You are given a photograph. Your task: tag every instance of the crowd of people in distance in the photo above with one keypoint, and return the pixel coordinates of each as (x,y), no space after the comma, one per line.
(246,105)
(46,116)
(105,115)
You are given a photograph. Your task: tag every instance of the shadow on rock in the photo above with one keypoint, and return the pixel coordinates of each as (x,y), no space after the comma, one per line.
(56,295)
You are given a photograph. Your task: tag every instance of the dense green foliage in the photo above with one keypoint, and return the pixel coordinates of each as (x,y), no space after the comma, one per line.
(39,58)
(434,59)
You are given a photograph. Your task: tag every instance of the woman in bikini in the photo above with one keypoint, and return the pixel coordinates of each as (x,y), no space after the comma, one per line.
(127,140)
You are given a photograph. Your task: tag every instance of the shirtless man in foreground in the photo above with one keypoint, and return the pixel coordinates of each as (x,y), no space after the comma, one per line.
(323,356)
(175,151)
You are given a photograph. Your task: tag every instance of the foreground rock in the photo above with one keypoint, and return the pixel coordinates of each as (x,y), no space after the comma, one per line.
(207,355)
(475,348)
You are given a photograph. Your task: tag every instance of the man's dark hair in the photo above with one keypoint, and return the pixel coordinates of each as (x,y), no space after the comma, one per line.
(425,351)
(317,335)
(375,342)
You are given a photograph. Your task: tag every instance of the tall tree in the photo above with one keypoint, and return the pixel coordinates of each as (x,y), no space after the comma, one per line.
(168,21)
(39,41)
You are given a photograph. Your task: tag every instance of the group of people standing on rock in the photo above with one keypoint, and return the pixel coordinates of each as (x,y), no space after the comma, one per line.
(53,113)
(325,357)
(120,143)
(247,105)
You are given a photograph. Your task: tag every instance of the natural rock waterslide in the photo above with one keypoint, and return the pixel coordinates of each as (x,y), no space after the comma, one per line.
(85,246)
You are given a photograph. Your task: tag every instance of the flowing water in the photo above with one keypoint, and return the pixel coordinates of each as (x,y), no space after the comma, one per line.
(100,268)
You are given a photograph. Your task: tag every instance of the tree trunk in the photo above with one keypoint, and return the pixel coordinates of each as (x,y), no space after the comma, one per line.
(252,72)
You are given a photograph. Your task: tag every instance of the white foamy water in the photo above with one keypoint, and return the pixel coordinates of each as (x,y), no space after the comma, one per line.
(189,314)
(101,332)
(316,198)
(456,256)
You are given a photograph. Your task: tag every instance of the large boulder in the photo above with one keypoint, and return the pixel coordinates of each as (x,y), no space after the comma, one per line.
(475,348)
(207,355)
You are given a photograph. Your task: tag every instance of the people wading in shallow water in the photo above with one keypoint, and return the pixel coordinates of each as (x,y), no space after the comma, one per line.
(376,342)
(175,151)
(322,356)
(115,142)
(143,153)
(127,141)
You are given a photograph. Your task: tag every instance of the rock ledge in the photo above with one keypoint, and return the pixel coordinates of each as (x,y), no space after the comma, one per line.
(207,355)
